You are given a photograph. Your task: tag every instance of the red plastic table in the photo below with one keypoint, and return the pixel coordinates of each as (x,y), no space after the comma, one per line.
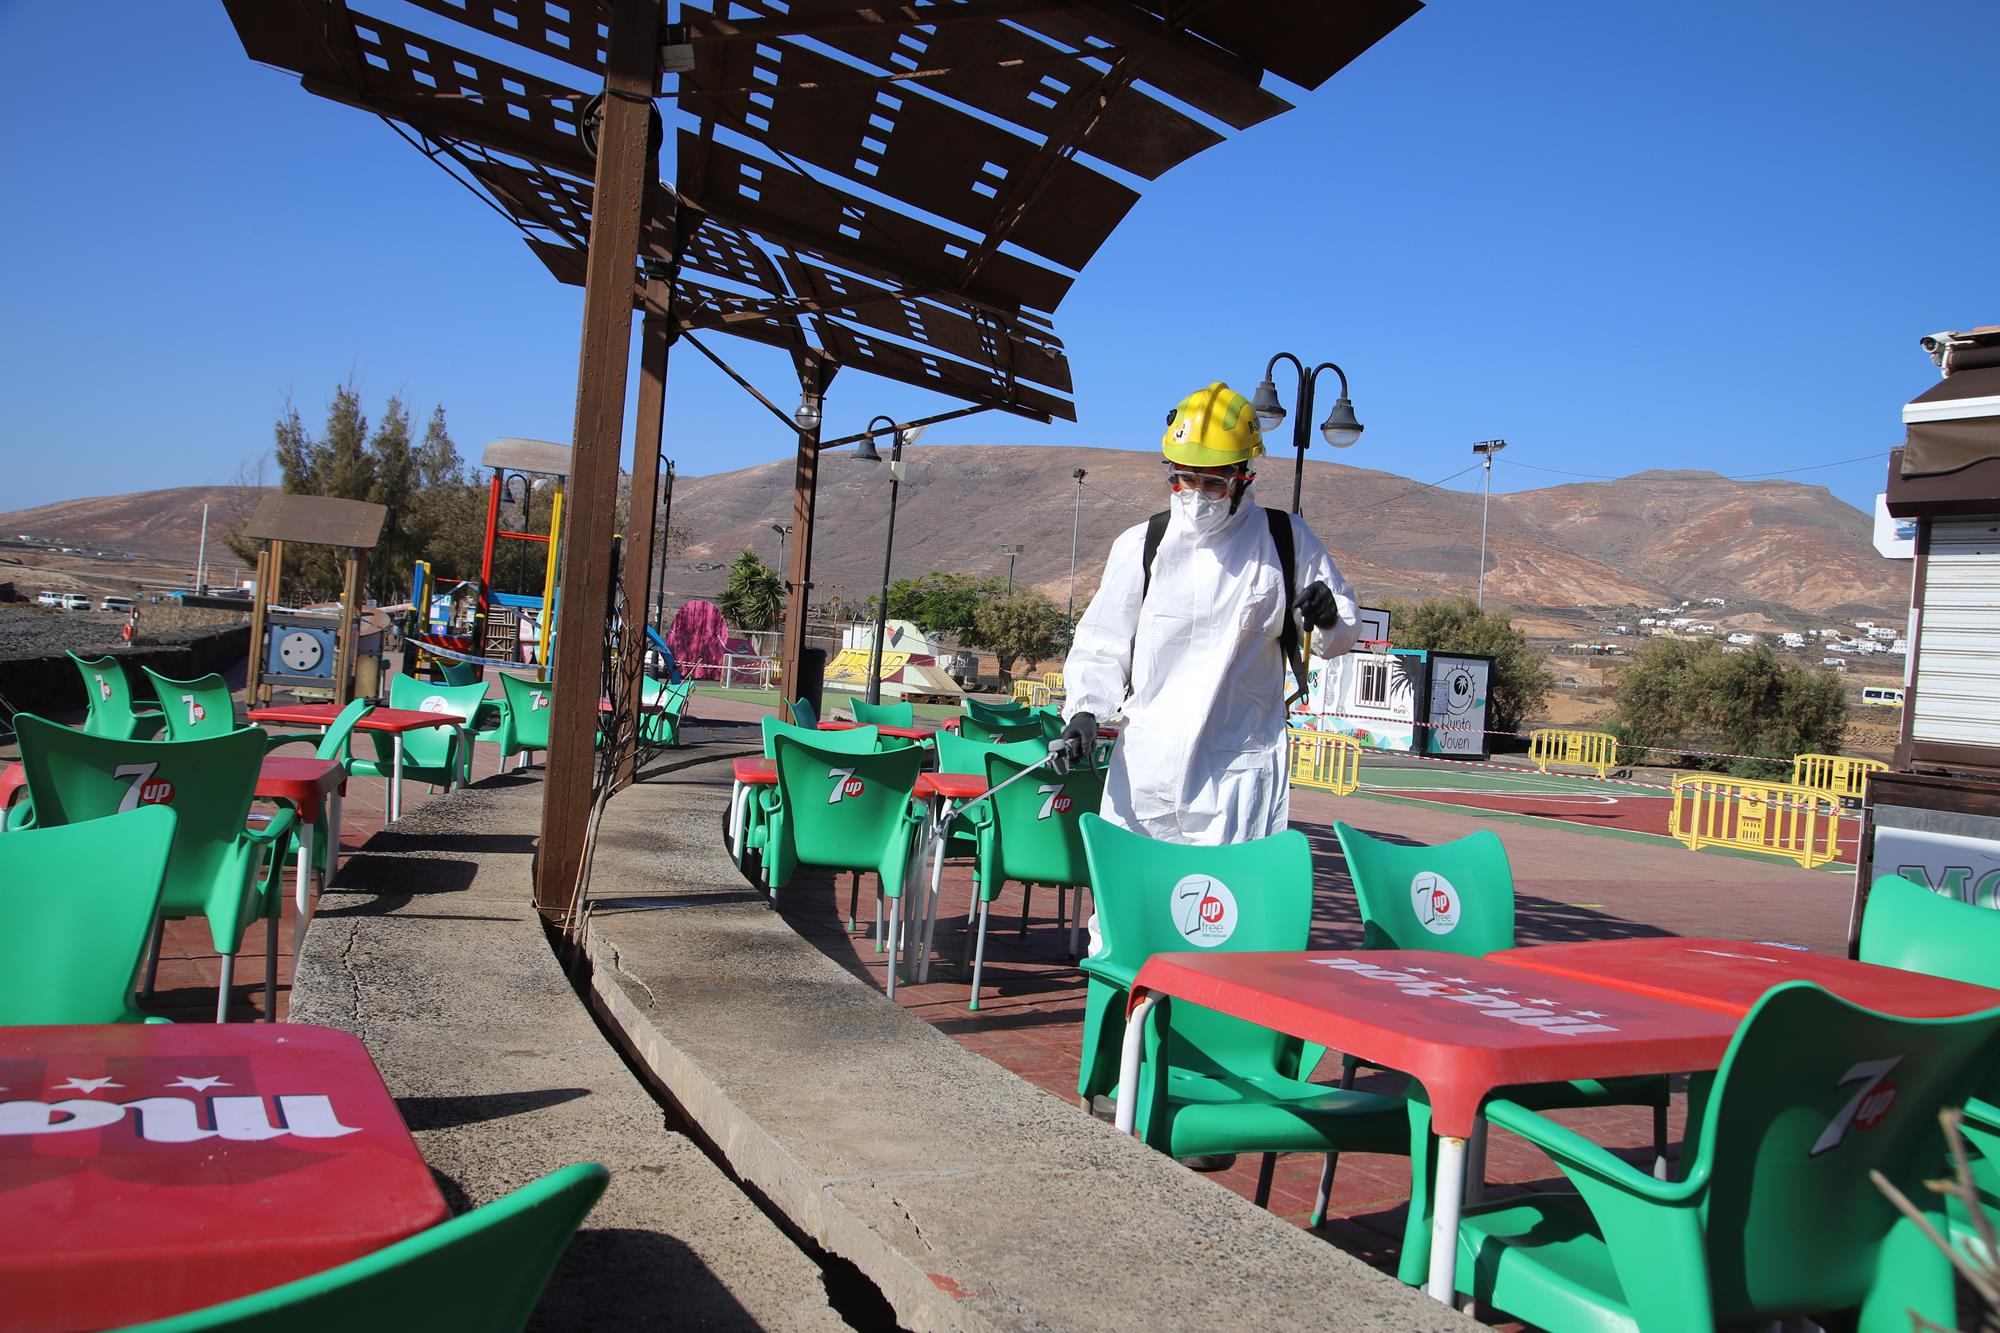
(13,780)
(900,733)
(147,1170)
(748,773)
(1460,1026)
(394,721)
(1730,976)
(310,786)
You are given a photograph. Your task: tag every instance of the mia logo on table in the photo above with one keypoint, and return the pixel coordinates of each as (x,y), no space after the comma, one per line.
(177,1119)
(1435,902)
(1204,910)
(145,789)
(1494,1002)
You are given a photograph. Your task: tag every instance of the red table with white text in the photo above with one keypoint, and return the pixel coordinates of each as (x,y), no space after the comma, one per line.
(1460,1026)
(899,733)
(314,788)
(147,1170)
(1730,976)
(394,721)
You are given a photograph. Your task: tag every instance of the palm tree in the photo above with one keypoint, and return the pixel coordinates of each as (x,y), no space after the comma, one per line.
(754,596)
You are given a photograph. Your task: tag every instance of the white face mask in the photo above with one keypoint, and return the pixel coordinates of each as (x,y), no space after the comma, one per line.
(1206,514)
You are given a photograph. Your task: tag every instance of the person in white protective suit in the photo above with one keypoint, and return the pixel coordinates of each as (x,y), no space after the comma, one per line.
(1189,641)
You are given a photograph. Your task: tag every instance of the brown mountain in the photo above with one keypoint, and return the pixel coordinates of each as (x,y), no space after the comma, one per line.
(1639,539)
(1644,538)
(160,523)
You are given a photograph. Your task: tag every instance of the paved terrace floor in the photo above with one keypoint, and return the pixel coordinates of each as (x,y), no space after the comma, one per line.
(1572,883)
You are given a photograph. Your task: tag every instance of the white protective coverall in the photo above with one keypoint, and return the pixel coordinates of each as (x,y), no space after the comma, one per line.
(1198,671)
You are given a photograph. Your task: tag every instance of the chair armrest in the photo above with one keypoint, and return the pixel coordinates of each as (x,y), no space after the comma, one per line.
(272,740)
(1573,1152)
(1982,1115)
(281,826)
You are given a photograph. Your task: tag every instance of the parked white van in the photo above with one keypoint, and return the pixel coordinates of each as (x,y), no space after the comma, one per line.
(75,601)
(122,605)
(49,599)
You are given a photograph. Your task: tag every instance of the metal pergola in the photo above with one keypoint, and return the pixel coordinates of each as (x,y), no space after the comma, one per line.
(903,189)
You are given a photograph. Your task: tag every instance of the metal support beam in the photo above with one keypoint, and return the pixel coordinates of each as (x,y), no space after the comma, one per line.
(656,339)
(632,78)
(798,573)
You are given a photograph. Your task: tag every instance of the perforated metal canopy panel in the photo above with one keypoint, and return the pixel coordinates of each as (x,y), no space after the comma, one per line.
(906,189)
(317,520)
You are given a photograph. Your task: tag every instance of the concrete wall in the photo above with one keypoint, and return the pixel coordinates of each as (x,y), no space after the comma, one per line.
(51,684)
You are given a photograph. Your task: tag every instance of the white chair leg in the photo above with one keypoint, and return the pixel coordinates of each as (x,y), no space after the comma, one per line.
(1660,1142)
(1475,1162)
(222,988)
(153,957)
(978,955)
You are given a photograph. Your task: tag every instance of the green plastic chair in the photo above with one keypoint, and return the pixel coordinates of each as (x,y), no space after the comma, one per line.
(1030,833)
(996,715)
(664,727)
(1776,1216)
(1912,927)
(433,754)
(463,673)
(194,708)
(1211,1083)
(484,1270)
(214,870)
(974,730)
(525,709)
(77,904)
(841,810)
(803,713)
(113,714)
(1398,888)
(900,714)
(758,819)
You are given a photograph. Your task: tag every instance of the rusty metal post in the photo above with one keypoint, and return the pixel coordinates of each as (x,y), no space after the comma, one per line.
(656,340)
(632,76)
(798,573)
(353,580)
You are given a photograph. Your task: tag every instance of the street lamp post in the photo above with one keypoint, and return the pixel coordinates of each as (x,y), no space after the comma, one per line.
(1075,524)
(1340,429)
(1010,552)
(866,457)
(784,531)
(666,534)
(1488,448)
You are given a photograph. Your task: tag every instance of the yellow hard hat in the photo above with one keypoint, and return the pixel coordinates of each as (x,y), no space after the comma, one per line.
(1212,427)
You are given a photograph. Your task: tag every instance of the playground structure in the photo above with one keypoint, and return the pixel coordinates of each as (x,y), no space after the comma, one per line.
(311,652)
(913,667)
(1596,750)
(462,620)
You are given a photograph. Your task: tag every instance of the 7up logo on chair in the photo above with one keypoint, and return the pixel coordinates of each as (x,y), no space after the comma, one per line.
(103,685)
(145,789)
(538,701)
(1058,803)
(1204,910)
(1866,1108)
(196,713)
(845,784)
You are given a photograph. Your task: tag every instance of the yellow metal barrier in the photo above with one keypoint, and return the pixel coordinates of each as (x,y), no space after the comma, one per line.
(1053,679)
(1775,817)
(1024,690)
(1580,749)
(1837,775)
(1326,760)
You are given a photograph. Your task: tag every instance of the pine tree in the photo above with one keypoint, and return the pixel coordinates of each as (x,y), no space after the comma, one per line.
(345,470)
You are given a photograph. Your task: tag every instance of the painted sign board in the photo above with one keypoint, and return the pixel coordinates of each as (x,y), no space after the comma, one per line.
(1456,696)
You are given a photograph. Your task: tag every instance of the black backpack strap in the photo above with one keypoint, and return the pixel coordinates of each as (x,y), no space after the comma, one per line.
(1156,529)
(1288,638)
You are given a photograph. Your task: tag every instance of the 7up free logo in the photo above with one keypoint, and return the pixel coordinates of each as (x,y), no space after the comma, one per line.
(1058,802)
(1204,910)
(845,784)
(145,789)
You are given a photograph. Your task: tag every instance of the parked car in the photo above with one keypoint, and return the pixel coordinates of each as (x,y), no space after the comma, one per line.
(75,601)
(122,605)
(49,599)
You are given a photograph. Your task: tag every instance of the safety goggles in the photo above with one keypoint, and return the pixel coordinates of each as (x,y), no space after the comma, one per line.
(1215,485)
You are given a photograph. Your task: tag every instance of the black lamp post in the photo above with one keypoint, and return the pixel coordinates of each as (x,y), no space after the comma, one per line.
(865,457)
(1340,429)
(666,542)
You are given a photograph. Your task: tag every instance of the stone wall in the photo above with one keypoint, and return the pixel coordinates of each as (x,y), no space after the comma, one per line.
(52,685)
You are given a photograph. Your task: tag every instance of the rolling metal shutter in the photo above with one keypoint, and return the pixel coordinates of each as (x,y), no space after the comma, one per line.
(1958,671)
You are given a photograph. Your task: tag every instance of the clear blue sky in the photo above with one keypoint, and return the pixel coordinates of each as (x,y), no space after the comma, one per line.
(1620,236)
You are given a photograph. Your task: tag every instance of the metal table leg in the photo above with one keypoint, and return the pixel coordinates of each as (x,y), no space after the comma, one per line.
(1446,1208)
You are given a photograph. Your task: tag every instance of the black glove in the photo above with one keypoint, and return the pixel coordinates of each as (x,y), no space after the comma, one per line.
(1318,607)
(1076,744)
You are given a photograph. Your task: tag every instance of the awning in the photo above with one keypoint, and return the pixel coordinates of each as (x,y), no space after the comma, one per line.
(1956,422)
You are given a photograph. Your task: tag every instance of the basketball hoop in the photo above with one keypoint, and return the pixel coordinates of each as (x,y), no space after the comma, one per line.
(1379,647)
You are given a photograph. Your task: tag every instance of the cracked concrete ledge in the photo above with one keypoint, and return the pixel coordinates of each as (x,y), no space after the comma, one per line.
(430,952)
(971,1198)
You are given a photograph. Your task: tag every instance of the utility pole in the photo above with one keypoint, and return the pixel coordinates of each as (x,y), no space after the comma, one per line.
(1010,552)
(666,536)
(1075,523)
(201,557)
(1487,448)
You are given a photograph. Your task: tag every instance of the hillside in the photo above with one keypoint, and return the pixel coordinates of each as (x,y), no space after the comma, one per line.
(1775,546)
